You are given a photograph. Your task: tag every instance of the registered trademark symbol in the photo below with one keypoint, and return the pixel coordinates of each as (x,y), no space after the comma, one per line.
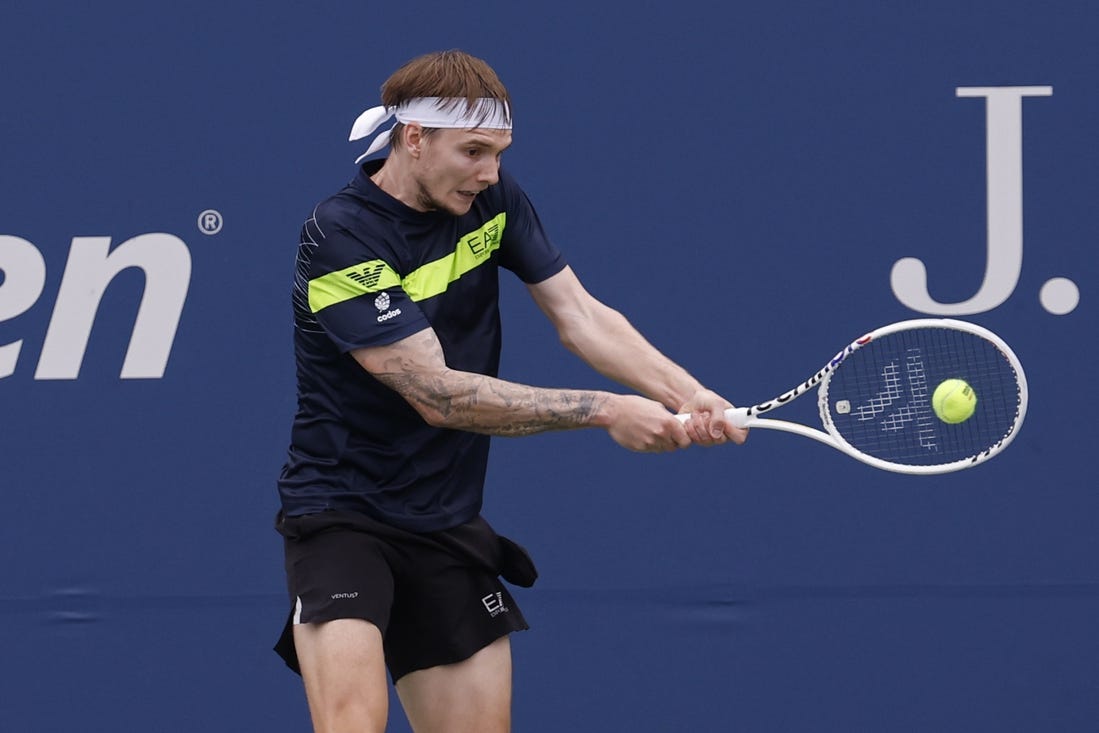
(210,221)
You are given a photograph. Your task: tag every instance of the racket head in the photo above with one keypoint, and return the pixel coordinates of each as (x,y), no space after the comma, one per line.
(876,401)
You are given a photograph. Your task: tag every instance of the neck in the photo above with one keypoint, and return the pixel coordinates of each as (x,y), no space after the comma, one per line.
(395,178)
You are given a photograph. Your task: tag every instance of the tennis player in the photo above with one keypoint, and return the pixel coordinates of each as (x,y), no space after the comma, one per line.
(397,342)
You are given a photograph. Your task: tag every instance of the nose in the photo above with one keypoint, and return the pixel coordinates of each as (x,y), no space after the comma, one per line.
(489,173)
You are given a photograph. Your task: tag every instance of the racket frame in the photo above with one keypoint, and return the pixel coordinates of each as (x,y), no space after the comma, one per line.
(747,417)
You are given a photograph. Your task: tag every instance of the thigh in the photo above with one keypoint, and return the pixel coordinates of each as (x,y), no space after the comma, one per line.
(343,668)
(472,696)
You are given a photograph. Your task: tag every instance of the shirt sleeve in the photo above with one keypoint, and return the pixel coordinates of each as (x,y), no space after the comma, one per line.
(355,291)
(526,248)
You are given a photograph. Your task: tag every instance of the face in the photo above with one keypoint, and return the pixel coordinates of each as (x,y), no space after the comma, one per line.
(453,166)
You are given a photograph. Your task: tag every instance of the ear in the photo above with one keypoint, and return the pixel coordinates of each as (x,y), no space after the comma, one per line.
(413,134)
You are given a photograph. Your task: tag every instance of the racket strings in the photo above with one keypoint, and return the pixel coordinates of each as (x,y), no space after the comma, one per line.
(879,398)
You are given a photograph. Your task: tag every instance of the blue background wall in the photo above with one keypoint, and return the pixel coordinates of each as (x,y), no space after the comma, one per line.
(737,178)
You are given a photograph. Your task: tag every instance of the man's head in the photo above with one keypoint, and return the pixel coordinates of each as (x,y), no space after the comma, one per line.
(453,123)
(454,76)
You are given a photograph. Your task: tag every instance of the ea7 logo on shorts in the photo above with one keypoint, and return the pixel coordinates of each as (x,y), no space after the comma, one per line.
(494,604)
(343,596)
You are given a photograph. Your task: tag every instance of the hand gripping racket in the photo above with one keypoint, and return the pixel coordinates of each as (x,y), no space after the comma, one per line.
(874,397)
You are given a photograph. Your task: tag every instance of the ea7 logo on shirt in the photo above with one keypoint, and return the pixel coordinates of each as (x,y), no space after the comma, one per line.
(485,240)
(494,604)
(382,304)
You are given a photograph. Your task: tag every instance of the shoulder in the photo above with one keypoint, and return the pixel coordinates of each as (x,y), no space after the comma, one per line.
(358,205)
(343,211)
(343,230)
(353,215)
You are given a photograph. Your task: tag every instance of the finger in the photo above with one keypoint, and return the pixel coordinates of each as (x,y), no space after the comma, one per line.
(719,425)
(679,435)
(699,428)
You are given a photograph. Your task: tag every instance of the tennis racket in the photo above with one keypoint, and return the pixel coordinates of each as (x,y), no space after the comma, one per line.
(874,397)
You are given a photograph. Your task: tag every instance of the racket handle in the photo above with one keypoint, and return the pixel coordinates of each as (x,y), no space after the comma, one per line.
(737,417)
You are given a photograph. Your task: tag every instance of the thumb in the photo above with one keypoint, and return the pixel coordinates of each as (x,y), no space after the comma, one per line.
(717,424)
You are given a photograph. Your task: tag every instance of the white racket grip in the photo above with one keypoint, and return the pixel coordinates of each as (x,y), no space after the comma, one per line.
(737,416)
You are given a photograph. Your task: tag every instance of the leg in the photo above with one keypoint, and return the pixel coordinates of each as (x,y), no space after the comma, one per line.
(343,666)
(472,696)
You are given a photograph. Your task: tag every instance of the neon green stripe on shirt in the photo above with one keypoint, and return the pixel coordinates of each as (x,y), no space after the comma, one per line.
(427,281)
(351,282)
(472,250)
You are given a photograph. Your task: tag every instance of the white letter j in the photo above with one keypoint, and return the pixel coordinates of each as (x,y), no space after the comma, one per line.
(1004,143)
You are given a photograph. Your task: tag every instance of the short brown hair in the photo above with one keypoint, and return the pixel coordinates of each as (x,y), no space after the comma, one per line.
(453,74)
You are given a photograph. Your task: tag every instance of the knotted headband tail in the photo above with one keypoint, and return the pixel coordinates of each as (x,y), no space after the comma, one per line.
(435,112)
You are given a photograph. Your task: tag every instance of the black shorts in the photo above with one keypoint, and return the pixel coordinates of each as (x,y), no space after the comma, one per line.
(436,597)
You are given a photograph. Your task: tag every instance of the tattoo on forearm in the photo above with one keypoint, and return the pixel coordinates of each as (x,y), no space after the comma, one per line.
(475,402)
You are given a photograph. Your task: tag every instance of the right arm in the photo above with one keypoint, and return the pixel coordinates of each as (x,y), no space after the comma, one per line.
(415,368)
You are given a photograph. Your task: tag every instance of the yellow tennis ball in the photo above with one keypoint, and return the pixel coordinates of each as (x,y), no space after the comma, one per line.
(954,401)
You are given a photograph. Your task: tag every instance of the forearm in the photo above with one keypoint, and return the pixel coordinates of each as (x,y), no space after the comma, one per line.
(614,348)
(482,404)
(414,367)
(449,398)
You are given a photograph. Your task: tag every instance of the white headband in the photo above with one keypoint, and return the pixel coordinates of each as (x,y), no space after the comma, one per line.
(444,112)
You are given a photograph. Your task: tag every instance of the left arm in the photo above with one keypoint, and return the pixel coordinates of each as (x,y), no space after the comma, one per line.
(606,341)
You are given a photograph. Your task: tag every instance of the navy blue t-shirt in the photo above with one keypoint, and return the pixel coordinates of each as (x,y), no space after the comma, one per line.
(372,271)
